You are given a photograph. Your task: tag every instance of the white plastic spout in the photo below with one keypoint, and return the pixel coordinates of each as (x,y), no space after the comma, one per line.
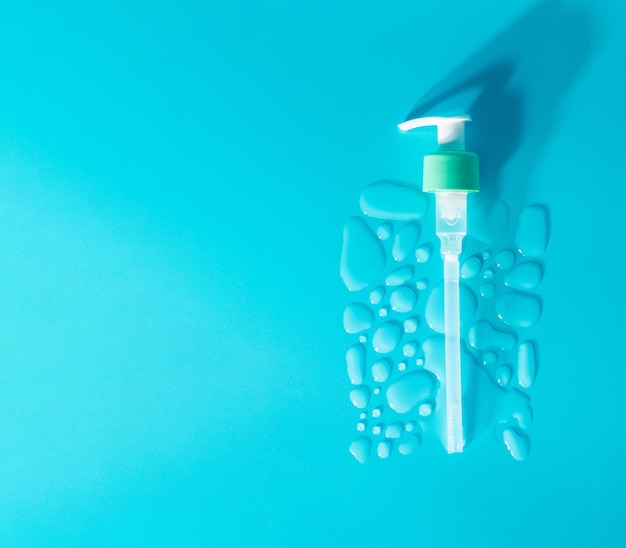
(450,129)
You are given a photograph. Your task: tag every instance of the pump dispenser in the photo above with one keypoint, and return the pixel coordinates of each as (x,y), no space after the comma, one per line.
(451,172)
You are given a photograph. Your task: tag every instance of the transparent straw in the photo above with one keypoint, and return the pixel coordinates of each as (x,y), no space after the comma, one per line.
(451,227)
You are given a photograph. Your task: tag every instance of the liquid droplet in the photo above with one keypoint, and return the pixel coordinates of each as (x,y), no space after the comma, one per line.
(384,231)
(411,325)
(422,254)
(383,450)
(401,366)
(487,290)
(357,317)
(503,374)
(421,284)
(489,358)
(362,416)
(405,241)
(394,201)
(517,443)
(526,276)
(362,255)
(394,430)
(360,449)
(383,311)
(386,338)
(505,259)
(361,426)
(518,309)
(360,397)
(376,430)
(399,276)
(471,267)
(533,231)
(434,307)
(434,354)
(355,361)
(410,426)
(377,391)
(425,410)
(362,338)
(403,299)
(381,370)
(410,390)
(410,445)
(377,295)
(377,412)
(526,364)
(486,255)
(483,336)
(488,274)
(419,362)
(410,349)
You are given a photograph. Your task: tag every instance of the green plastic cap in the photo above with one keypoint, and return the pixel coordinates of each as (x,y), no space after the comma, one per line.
(451,170)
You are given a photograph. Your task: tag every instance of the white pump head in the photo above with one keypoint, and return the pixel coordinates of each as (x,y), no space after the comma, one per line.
(450,129)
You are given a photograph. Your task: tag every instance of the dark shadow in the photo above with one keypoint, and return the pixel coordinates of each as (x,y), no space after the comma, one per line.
(512,88)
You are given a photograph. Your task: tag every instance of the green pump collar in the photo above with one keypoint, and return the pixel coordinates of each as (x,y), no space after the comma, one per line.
(449,170)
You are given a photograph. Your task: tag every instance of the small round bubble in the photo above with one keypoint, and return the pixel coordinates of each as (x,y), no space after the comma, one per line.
(376,295)
(411,325)
(384,231)
(425,410)
(409,350)
(421,284)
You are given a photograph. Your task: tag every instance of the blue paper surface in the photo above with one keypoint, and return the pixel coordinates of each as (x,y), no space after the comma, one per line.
(174,181)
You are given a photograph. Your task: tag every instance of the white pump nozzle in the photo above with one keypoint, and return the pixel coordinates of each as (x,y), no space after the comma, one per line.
(450,129)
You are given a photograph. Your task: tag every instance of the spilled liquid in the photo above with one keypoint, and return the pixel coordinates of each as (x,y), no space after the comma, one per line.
(362,256)
(405,241)
(355,361)
(384,449)
(518,309)
(483,336)
(403,299)
(360,449)
(410,390)
(394,201)
(434,307)
(422,254)
(386,338)
(517,442)
(505,259)
(471,267)
(533,232)
(399,276)
(381,370)
(395,363)
(525,277)
(526,364)
(357,317)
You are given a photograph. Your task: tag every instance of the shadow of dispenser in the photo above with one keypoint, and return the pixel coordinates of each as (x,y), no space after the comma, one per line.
(450,173)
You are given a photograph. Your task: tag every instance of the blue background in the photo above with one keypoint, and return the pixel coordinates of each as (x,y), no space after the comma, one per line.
(174,178)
